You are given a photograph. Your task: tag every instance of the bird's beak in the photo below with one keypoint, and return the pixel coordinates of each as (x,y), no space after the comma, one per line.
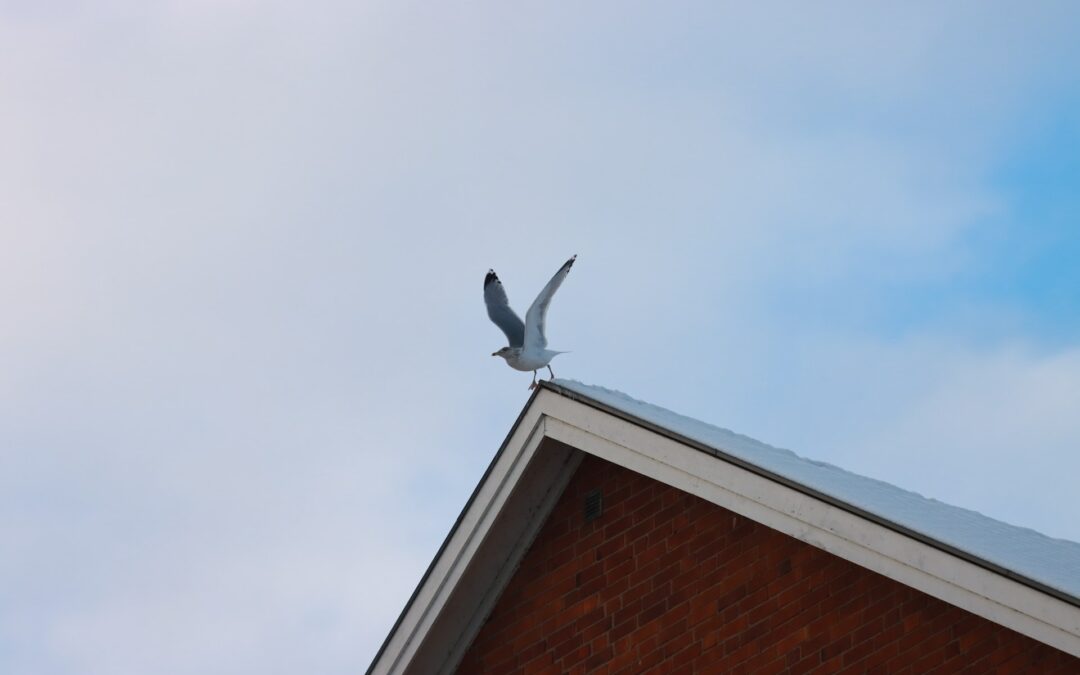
(494,353)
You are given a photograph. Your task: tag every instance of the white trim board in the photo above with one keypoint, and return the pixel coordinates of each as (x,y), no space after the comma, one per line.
(481,552)
(486,545)
(865,543)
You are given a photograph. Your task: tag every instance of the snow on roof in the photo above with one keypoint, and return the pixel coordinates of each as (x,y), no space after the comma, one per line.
(1054,563)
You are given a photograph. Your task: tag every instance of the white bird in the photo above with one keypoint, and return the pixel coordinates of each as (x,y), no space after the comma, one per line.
(528,342)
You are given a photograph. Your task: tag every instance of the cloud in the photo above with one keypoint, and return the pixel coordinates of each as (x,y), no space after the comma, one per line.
(997,432)
(244,375)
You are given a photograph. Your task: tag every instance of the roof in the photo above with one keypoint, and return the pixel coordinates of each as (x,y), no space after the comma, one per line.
(1053,565)
(1013,576)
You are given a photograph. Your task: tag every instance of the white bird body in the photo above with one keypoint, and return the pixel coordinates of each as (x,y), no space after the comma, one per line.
(524,360)
(528,339)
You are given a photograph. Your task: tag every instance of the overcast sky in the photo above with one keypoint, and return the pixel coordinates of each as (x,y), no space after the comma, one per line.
(245,371)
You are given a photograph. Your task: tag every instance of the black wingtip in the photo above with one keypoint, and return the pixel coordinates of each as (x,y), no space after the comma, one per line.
(570,262)
(490,278)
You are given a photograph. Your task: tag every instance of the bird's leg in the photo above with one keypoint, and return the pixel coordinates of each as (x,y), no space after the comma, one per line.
(533,385)
(551,372)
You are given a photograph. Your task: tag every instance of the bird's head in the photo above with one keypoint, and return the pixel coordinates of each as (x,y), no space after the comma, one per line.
(504,352)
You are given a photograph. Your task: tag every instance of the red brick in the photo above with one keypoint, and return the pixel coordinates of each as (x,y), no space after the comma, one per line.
(666,582)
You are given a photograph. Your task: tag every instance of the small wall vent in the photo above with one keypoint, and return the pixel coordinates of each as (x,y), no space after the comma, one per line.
(594,505)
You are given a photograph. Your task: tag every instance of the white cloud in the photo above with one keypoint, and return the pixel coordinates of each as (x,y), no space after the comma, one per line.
(994,432)
(244,375)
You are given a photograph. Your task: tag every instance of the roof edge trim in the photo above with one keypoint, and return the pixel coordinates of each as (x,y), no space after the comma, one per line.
(816,494)
(450,535)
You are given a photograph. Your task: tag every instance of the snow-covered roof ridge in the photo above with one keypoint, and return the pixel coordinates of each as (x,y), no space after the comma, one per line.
(1027,553)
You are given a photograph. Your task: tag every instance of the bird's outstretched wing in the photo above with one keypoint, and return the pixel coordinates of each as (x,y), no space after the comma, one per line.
(498,309)
(536,317)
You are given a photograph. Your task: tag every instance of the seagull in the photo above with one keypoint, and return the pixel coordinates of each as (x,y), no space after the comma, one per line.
(528,343)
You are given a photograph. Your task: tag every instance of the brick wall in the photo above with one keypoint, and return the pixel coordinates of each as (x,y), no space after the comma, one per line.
(665,582)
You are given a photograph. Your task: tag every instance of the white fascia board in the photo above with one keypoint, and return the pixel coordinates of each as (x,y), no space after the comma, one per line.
(845,534)
(460,547)
(481,553)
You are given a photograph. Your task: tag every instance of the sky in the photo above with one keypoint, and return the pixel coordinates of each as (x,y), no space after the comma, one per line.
(246,380)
